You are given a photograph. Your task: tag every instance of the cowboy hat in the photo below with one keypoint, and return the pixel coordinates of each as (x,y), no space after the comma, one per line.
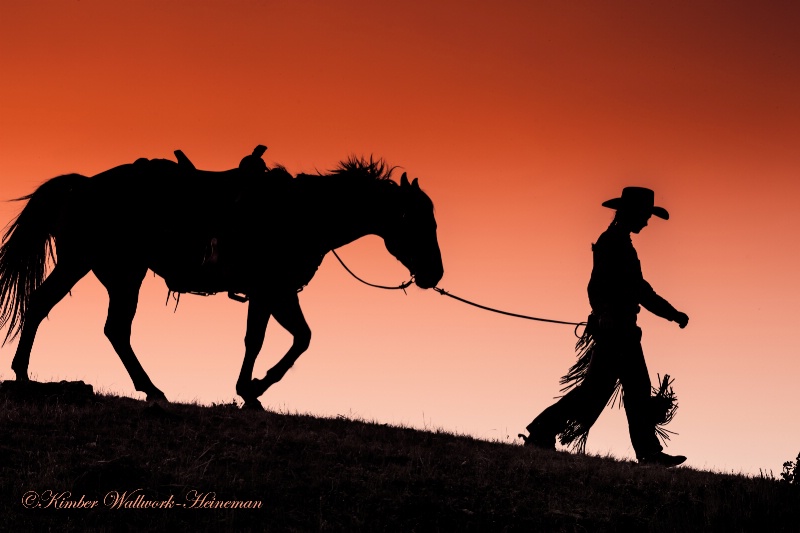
(637,199)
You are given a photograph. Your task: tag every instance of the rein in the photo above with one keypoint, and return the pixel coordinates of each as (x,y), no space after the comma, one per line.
(443,292)
(403,286)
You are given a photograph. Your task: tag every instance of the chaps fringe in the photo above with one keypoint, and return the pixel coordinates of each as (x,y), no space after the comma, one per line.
(576,430)
(663,406)
(663,402)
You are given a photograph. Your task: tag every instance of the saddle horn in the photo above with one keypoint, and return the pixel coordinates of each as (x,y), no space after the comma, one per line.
(254,161)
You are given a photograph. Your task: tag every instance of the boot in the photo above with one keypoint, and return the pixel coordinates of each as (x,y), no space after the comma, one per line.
(539,438)
(661,459)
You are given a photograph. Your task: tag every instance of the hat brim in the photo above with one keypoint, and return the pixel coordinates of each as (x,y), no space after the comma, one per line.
(619,203)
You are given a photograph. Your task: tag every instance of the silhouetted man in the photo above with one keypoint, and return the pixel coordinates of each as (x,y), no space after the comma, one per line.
(612,342)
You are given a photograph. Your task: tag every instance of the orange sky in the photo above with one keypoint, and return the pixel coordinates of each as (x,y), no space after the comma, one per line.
(519,118)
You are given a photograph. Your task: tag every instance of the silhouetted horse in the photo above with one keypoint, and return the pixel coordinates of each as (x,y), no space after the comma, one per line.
(261,235)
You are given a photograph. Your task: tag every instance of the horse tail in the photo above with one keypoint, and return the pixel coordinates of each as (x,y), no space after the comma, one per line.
(28,248)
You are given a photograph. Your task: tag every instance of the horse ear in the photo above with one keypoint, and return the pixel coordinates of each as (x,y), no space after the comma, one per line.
(415,183)
(404,180)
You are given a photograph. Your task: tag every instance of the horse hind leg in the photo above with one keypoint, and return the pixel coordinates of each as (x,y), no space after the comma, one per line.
(123,296)
(52,290)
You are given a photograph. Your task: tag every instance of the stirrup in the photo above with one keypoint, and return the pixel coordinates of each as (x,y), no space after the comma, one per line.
(238,297)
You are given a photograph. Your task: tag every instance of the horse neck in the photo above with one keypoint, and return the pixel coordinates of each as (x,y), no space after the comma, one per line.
(356,211)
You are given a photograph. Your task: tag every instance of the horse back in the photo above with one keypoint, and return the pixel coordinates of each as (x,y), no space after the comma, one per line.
(192,227)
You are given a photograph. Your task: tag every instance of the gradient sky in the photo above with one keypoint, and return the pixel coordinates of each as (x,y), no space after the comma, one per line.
(520,119)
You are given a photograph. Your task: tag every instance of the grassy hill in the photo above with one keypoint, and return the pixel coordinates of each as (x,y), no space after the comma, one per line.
(116,457)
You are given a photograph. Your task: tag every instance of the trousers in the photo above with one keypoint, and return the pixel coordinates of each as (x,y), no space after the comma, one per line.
(616,357)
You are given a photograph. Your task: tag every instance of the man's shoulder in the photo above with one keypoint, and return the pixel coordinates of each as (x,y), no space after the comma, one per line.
(614,237)
(613,241)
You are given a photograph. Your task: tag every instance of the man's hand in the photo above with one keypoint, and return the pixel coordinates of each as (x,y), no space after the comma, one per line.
(682,319)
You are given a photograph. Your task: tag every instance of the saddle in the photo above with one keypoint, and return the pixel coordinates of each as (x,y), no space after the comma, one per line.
(211,270)
(252,163)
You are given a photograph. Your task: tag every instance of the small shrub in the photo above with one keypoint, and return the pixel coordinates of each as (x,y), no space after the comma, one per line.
(230,404)
(790,474)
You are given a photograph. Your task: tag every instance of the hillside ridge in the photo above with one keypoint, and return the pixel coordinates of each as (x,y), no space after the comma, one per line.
(203,464)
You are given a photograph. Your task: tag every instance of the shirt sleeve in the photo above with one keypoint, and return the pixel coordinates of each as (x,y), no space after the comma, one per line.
(655,303)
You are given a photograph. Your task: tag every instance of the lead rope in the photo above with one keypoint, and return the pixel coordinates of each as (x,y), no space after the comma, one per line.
(507,313)
(443,292)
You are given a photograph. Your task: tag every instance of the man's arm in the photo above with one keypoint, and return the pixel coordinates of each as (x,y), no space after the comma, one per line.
(660,307)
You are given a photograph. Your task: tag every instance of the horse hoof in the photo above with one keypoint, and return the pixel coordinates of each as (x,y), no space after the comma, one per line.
(253,405)
(157,396)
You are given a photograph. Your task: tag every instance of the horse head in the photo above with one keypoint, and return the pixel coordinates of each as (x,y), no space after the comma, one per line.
(411,238)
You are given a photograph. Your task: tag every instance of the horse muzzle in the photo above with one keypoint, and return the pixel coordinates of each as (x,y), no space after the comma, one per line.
(428,280)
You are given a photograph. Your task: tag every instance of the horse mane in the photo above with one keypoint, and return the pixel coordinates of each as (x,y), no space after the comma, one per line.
(376,169)
(359,169)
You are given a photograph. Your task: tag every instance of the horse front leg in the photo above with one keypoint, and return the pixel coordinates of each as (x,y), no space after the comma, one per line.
(258,313)
(287,312)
